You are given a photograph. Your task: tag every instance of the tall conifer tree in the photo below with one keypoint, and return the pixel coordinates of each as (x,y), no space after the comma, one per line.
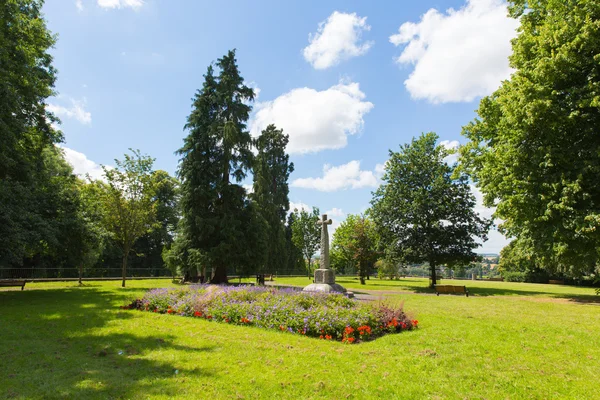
(216,150)
(272,169)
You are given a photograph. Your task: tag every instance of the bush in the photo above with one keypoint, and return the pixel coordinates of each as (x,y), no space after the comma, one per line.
(513,276)
(326,316)
(536,276)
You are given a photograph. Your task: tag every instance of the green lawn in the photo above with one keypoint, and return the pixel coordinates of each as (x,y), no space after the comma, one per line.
(508,340)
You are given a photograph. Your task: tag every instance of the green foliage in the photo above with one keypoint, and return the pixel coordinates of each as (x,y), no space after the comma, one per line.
(129,201)
(271,172)
(355,244)
(387,269)
(306,234)
(295,260)
(423,212)
(216,149)
(150,246)
(27,79)
(535,150)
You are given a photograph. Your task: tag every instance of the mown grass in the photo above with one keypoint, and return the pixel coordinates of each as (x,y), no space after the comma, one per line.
(508,340)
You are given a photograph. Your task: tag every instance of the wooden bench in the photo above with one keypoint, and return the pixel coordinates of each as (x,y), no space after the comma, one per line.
(450,289)
(13,282)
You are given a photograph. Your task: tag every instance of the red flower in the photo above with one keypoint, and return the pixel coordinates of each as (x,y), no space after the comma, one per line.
(170,311)
(415,322)
(197,314)
(364,330)
(281,327)
(328,337)
(321,337)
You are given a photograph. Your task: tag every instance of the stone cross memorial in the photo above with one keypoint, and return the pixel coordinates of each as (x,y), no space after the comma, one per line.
(324,276)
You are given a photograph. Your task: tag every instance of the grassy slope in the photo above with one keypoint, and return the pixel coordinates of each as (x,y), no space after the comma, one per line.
(509,340)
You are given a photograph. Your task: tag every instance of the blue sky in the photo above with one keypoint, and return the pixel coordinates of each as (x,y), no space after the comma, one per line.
(347,80)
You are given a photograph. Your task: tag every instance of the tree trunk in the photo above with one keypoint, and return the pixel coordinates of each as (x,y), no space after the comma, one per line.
(308,268)
(80,274)
(124,271)
(220,275)
(433,277)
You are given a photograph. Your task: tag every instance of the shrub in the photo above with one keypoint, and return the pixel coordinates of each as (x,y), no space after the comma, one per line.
(326,316)
(533,276)
(513,276)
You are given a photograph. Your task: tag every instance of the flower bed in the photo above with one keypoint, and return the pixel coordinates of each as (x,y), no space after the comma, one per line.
(325,316)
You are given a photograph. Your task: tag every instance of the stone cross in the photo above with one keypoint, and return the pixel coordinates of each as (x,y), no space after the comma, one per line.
(324,261)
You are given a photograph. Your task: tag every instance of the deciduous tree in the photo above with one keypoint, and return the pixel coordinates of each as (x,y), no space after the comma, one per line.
(27,79)
(355,243)
(423,212)
(306,234)
(534,149)
(129,201)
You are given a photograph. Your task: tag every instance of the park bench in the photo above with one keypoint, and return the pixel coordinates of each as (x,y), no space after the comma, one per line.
(13,282)
(450,289)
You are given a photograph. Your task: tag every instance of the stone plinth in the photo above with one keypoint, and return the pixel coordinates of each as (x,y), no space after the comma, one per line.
(325,288)
(325,283)
(324,276)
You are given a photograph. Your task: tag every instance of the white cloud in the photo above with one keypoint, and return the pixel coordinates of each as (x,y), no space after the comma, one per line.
(82,165)
(79,5)
(76,111)
(483,211)
(335,212)
(135,4)
(380,170)
(253,85)
(452,145)
(496,241)
(249,188)
(346,176)
(458,55)
(299,206)
(337,216)
(337,39)
(315,120)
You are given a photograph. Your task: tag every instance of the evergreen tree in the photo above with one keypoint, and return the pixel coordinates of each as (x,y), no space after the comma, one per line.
(216,149)
(423,212)
(271,172)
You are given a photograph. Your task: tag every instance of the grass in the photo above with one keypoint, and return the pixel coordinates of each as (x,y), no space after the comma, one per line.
(508,340)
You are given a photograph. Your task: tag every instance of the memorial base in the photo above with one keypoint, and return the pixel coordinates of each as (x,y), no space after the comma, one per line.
(325,283)
(325,288)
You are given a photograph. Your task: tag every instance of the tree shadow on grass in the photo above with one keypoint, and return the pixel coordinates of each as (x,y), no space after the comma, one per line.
(416,286)
(54,346)
(487,292)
